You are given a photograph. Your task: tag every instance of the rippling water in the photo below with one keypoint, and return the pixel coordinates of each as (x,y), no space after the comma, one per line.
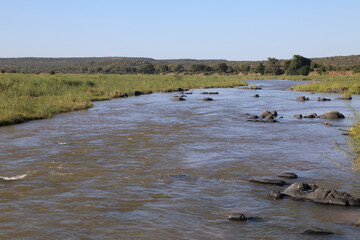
(150,168)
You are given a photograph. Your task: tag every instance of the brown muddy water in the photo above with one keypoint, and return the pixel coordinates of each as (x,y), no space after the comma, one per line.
(150,168)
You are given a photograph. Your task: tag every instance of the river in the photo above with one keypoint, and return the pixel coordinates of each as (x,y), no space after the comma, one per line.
(150,168)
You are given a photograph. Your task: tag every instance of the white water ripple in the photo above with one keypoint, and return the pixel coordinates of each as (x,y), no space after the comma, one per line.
(18,177)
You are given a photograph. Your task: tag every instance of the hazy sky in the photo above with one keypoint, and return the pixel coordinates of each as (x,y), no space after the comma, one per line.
(166,29)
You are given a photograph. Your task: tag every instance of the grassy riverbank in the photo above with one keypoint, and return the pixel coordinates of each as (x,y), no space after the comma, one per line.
(25,97)
(321,83)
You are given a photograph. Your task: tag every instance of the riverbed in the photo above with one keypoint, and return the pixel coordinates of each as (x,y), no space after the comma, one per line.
(150,168)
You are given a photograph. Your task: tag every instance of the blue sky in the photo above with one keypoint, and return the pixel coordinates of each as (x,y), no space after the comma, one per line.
(198,29)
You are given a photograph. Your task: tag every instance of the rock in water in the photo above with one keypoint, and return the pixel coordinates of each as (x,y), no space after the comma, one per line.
(333,115)
(237,217)
(275,194)
(207,99)
(298,116)
(302,99)
(317,231)
(269,181)
(312,192)
(176,98)
(288,175)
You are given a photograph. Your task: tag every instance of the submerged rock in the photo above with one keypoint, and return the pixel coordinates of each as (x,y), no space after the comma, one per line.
(344,98)
(252,87)
(289,175)
(320,99)
(256,95)
(207,99)
(269,181)
(253,117)
(302,99)
(177,98)
(311,115)
(210,93)
(275,194)
(312,192)
(317,231)
(237,217)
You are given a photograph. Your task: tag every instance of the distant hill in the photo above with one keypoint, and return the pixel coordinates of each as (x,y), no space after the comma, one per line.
(122,65)
(343,61)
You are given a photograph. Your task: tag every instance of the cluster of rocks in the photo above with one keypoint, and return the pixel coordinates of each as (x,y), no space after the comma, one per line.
(183,96)
(252,87)
(332,115)
(322,99)
(315,193)
(265,116)
(304,191)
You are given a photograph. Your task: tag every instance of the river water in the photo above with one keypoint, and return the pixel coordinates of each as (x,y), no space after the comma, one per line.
(149,168)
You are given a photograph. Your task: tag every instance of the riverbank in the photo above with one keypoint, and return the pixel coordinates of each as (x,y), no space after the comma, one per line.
(26,97)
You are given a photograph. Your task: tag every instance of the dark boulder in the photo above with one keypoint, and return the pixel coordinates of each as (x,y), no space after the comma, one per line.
(268,181)
(237,217)
(298,116)
(253,117)
(124,95)
(289,175)
(138,93)
(256,95)
(207,99)
(302,99)
(178,90)
(317,231)
(318,194)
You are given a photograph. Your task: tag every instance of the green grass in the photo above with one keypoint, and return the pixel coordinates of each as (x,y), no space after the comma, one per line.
(25,97)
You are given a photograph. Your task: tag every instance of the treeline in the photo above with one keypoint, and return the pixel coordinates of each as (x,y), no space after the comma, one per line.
(298,65)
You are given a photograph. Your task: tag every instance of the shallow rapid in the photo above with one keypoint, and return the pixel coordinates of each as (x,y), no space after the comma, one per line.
(150,168)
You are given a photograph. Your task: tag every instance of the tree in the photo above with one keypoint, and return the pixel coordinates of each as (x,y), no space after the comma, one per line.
(299,65)
(244,68)
(222,68)
(178,68)
(196,68)
(163,68)
(147,69)
(260,68)
(273,66)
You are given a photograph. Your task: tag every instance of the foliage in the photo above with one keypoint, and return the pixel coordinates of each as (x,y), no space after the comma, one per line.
(222,68)
(299,65)
(273,66)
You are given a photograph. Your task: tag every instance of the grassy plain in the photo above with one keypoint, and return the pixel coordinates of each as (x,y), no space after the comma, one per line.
(25,97)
